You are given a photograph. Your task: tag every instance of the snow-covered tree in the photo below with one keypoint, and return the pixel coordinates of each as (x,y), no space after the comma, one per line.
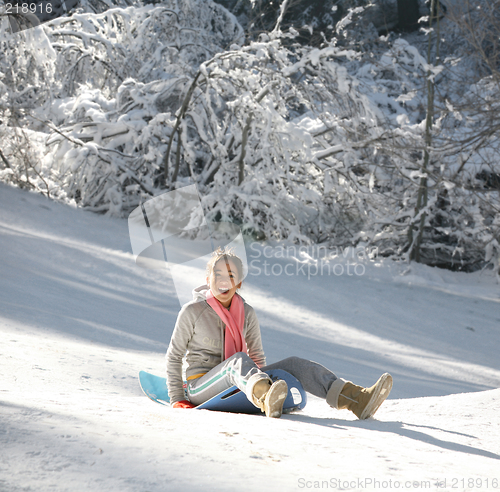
(333,143)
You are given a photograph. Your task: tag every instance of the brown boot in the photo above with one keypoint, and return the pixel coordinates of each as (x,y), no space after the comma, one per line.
(364,402)
(270,397)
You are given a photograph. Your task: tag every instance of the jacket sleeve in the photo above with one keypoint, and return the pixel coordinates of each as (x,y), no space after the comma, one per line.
(183,332)
(253,338)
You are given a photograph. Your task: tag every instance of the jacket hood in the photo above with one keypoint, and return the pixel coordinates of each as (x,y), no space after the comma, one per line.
(200,293)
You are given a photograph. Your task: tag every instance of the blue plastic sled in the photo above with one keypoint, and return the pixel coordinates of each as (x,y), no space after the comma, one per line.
(231,400)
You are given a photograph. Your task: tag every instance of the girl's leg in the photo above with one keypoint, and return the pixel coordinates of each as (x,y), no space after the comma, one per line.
(337,392)
(238,370)
(315,378)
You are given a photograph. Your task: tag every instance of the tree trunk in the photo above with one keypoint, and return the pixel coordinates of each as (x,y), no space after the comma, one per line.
(4,159)
(408,15)
(422,197)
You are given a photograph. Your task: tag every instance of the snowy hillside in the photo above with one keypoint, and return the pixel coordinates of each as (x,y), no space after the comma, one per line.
(78,320)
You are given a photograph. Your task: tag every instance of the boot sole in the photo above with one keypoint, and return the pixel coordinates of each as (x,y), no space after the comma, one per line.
(275,399)
(382,389)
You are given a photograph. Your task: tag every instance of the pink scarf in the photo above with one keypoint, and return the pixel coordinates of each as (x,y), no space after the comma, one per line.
(234,319)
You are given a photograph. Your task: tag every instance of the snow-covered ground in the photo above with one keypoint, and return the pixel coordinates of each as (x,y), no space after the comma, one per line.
(78,320)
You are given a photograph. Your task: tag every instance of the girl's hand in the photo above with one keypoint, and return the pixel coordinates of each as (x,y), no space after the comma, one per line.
(183,404)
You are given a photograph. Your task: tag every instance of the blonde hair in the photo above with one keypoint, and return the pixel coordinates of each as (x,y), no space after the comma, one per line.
(226,255)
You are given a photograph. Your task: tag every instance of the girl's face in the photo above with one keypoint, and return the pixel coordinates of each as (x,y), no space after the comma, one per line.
(224,281)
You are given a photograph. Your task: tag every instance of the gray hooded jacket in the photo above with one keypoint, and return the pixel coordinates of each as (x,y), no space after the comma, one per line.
(199,337)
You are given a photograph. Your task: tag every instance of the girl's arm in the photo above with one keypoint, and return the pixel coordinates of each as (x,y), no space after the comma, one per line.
(253,338)
(183,332)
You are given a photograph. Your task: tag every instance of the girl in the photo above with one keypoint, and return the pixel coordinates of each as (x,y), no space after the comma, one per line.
(218,334)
